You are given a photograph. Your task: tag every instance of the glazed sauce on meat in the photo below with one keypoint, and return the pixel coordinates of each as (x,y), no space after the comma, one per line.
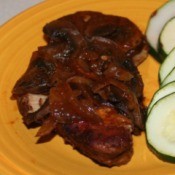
(92,89)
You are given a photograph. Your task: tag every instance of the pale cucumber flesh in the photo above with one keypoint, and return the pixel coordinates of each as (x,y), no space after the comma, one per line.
(157,22)
(167,66)
(162,92)
(170,78)
(167,37)
(160,123)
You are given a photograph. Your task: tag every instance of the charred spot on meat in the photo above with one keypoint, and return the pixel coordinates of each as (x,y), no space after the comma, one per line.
(85,85)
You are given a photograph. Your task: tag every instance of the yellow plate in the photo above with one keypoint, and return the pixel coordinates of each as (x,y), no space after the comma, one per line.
(19,153)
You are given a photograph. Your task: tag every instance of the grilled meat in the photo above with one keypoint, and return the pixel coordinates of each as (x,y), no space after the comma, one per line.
(84,85)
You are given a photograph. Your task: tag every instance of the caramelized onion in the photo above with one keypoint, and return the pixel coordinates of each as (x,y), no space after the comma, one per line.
(116,72)
(79,80)
(65,107)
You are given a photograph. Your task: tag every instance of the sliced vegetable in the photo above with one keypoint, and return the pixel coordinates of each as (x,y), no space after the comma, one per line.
(167,38)
(169,78)
(167,66)
(157,22)
(160,93)
(160,126)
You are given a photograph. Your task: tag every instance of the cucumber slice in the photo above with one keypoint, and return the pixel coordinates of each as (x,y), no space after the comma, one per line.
(160,93)
(169,78)
(167,38)
(160,128)
(157,22)
(167,66)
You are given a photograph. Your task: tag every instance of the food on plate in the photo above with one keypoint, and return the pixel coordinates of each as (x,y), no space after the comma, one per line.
(160,128)
(161,115)
(167,37)
(85,85)
(155,25)
(169,78)
(167,66)
(160,93)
